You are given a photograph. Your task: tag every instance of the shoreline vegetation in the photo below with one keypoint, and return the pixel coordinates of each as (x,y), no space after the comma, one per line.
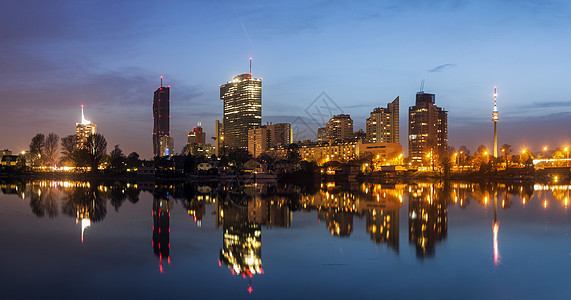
(552,175)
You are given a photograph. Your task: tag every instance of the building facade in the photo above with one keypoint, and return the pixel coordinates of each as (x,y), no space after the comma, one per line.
(166,146)
(383,124)
(197,136)
(242,109)
(280,134)
(427,129)
(84,130)
(340,127)
(342,151)
(161,117)
(258,140)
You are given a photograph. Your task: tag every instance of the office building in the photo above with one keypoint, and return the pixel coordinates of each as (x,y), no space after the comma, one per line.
(242,109)
(383,124)
(280,134)
(340,127)
(166,146)
(161,117)
(427,129)
(84,130)
(258,140)
(322,134)
(197,136)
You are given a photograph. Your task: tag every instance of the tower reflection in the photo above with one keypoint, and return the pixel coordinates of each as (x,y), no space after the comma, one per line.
(242,239)
(161,227)
(495,229)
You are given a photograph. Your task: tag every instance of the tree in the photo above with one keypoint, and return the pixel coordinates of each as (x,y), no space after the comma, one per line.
(37,148)
(50,149)
(117,159)
(69,149)
(481,156)
(133,160)
(293,153)
(269,160)
(525,157)
(506,150)
(463,155)
(239,156)
(95,151)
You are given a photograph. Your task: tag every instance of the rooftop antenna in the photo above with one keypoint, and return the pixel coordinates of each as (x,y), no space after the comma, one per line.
(161,80)
(250,66)
(422,85)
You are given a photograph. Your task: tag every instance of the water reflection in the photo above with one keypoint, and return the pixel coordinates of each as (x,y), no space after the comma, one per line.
(161,226)
(241,210)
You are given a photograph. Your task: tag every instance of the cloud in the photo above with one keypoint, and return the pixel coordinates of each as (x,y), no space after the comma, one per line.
(442,68)
(550,104)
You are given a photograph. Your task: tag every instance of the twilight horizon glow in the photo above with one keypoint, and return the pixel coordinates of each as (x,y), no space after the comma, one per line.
(109,57)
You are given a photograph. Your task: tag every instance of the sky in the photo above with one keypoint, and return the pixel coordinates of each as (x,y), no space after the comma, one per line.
(109,56)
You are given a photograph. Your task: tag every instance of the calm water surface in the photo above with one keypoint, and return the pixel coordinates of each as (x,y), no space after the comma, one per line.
(350,240)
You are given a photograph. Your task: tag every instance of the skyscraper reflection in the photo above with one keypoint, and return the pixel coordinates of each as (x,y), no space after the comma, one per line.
(161,227)
(242,240)
(427,219)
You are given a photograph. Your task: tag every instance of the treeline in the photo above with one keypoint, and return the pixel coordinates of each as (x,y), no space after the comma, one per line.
(46,152)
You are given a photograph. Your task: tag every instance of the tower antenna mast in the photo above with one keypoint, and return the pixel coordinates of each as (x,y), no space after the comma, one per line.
(250,66)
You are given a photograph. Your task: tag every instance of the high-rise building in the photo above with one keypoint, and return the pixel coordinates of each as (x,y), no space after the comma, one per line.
(83,130)
(383,124)
(197,136)
(166,146)
(219,139)
(340,127)
(427,129)
(258,140)
(280,134)
(161,117)
(242,109)
(262,138)
(322,134)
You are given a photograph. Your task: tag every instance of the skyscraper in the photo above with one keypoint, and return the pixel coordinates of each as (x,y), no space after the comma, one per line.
(340,127)
(427,129)
(242,109)
(197,136)
(161,117)
(83,130)
(383,124)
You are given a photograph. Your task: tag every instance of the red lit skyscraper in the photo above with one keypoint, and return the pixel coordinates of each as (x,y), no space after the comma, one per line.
(161,117)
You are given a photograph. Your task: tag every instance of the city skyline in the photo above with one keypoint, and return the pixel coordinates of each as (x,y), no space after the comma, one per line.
(102,60)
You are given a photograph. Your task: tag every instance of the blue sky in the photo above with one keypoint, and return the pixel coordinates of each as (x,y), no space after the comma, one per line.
(109,55)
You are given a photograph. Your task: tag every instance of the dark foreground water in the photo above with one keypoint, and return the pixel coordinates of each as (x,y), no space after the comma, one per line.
(416,240)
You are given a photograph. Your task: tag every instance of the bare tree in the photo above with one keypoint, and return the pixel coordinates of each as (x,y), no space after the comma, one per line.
(506,149)
(96,150)
(69,149)
(37,148)
(50,147)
